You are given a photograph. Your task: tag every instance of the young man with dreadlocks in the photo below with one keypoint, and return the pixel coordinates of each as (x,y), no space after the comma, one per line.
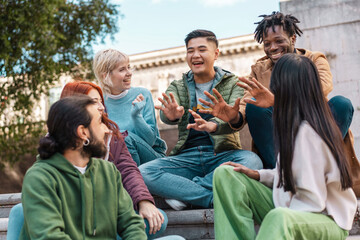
(278,34)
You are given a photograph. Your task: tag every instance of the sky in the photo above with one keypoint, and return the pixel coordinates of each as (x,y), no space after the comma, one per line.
(149,25)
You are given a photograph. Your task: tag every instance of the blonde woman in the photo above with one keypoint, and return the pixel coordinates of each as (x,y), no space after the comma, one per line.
(132,108)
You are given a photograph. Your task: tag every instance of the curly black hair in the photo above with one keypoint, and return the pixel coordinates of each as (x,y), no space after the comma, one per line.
(288,22)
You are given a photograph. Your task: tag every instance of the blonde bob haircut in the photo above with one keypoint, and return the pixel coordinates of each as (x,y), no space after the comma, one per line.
(105,61)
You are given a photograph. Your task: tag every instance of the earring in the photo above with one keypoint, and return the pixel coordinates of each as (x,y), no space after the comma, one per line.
(87,141)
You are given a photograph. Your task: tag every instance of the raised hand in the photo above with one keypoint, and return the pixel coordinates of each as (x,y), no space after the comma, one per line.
(242,169)
(170,107)
(139,98)
(138,105)
(201,124)
(220,108)
(264,98)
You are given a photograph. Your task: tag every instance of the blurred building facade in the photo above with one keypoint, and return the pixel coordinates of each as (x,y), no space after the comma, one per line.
(329,26)
(333,27)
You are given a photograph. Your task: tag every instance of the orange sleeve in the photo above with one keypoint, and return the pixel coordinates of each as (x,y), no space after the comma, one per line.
(325,75)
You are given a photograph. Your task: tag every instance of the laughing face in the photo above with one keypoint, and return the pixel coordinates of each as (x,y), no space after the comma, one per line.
(98,133)
(94,94)
(201,55)
(121,78)
(277,43)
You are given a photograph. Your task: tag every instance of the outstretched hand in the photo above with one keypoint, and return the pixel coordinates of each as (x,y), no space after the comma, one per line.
(220,108)
(242,169)
(201,124)
(264,98)
(170,107)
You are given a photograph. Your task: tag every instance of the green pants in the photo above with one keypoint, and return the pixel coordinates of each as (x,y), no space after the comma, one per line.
(239,200)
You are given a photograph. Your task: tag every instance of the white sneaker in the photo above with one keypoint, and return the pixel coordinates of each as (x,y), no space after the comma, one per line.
(175,204)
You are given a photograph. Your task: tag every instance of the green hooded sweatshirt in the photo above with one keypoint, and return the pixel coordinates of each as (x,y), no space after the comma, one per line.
(61,203)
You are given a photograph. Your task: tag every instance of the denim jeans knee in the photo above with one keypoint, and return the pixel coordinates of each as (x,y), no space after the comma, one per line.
(261,130)
(343,111)
(140,150)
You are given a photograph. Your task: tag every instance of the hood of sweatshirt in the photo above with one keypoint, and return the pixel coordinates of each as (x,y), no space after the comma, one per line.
(219,74)
(59,162)
(189,77)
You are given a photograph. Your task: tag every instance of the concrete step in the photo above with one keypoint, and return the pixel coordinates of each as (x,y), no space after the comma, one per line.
(3,228)
(7,201)
(191,223)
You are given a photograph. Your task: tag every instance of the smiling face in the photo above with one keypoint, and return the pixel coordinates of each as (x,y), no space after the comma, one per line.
(121,78)
(277,43)
(98,134)
(201,55)
(94,94)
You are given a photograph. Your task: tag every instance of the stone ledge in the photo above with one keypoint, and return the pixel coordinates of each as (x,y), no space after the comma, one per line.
(3,224)
(10,199)
(190,223)
(189,217)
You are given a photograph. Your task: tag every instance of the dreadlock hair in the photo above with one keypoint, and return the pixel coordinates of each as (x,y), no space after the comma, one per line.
(288,23)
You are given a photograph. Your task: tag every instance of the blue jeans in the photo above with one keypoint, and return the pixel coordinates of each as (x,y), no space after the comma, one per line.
(162,229)
(140,150)
(158,233)
(188,176)
(261,125)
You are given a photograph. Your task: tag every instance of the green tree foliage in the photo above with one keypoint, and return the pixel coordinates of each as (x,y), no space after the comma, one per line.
(17,140)
(42,39)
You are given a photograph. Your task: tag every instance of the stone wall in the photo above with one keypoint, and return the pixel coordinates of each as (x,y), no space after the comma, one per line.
(333,27)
